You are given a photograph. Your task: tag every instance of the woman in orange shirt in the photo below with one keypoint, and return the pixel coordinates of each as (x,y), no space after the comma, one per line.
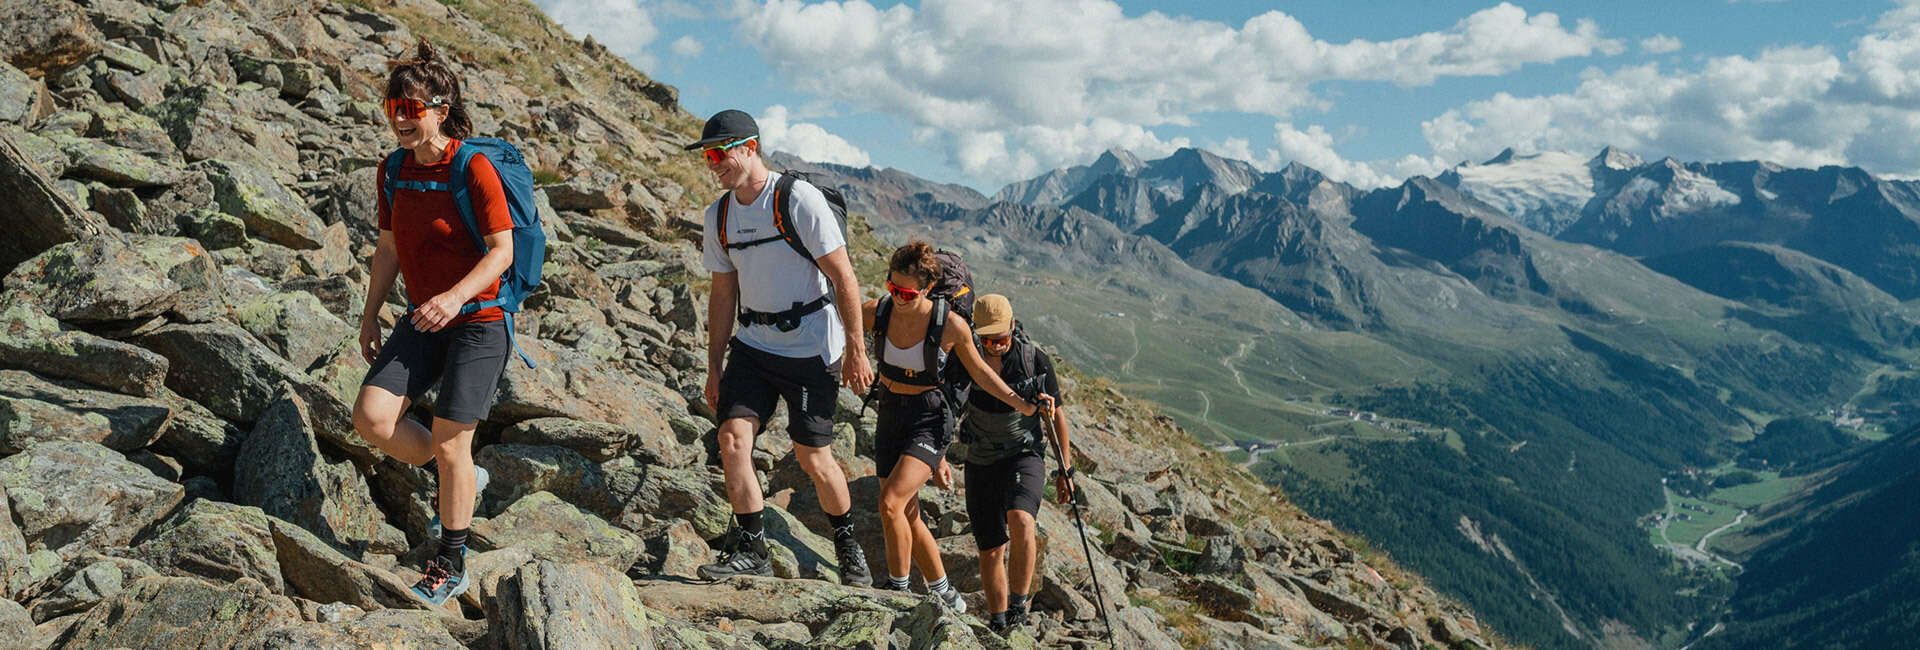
(424,239)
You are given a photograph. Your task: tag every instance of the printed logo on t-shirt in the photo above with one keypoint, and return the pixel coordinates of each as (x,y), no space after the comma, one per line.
(746,231)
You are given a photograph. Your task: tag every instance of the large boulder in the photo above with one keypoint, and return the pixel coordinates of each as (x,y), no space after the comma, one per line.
(233,124)
(395,629)
(296,325)
(115,166)
(107,278)
(16,572)
(645,494)
(42,37)
(167,612)
(270,210)
(569,605)
(571,385)
(601,442)
(237,377)
(767,600)
(33,409)
(555,530)
(281,469)
(519,470)
(99,579)
(32,340)
(320,573)
(70,497)
(18,93)
(218,541)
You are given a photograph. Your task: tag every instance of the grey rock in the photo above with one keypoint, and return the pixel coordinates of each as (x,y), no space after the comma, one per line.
(117,279)
(32,340)
(215,230)
(42,37)
(319,572)
(124,211)
(17,94)
(554,605)
(167,612)
(42,216)
(124,127)
(34,410)
(243,126)
(70,497)
(280,468)
(137,90)
(203,443)
(601,442)
(386,629)
(651,492)
(555,530)
(217,541)
(519,470)
(296,325)
(16,625)
(18,573)
(126,58)
(580,195)
(40,150)
(115,166)
(237,377)
(270,211)
(857,630)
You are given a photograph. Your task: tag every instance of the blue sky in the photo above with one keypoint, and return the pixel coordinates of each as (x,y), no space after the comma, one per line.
(982,92)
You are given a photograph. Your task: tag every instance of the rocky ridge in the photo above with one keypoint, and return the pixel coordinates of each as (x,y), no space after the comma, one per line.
(192,187)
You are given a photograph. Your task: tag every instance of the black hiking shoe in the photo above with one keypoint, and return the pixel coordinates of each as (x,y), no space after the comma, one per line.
(853,561)
(744,555)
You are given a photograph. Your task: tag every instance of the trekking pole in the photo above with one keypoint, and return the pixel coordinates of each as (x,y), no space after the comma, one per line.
(1073,488)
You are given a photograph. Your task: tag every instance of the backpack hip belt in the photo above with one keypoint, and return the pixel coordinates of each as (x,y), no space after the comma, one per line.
(788,320)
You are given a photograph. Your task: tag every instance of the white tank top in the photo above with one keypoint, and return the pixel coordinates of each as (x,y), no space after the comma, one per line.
(913,358)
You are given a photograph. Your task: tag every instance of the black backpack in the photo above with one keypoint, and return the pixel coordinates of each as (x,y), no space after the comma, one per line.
(959,384)
(783,206)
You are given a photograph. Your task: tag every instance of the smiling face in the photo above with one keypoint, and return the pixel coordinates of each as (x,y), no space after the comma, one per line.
(905,289)
(733,166)
(412,126)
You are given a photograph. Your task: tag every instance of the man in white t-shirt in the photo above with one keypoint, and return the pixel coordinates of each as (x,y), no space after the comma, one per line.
(780,266)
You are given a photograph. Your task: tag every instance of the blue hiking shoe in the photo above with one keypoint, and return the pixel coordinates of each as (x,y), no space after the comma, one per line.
(440,582)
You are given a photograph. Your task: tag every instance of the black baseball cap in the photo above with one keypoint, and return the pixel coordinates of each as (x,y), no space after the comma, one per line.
(726,126)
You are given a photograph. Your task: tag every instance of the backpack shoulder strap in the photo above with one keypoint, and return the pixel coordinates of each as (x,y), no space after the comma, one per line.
(783,214)
(936,327)
(392,173)
(457,176)
(720,220)
(882,313)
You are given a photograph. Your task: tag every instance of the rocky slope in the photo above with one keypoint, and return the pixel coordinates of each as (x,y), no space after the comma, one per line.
(191,190)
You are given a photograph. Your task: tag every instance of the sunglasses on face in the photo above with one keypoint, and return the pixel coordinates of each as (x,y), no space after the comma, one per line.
(902,293)
(1000,341)
(718,153)
(408,108)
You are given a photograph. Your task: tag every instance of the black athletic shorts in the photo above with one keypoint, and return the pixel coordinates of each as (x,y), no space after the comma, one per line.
(754,381)
(1016,483)
(909,425)
(465,360)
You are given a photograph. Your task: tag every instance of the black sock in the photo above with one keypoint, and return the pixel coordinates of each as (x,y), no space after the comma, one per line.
(453,546)
(842,523)
(998,619)
(1017,602)
(750,522)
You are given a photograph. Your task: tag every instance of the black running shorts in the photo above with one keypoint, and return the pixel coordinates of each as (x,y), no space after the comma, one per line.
(464,360)
(994,490)
(912,426)
(754,381)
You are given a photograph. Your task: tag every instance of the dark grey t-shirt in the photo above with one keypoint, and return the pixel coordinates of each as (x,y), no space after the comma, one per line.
(996,431)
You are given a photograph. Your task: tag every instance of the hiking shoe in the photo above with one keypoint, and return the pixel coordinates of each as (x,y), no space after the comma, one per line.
(745,556)
(439,583)
(480,479)
(951,599)
(853,561)
(1016,618)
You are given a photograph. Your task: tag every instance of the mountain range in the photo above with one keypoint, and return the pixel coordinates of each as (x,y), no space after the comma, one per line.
(1547,338)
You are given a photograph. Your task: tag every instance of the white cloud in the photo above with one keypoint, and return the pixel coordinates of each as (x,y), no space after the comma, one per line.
(1315,147)
(687,47)
(806,140)
(1799,106)
(624,26)
(1660,44)
(1011,87)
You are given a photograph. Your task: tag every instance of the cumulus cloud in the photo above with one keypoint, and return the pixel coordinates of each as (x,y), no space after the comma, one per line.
(1660,44)
(806,140)
(1801,106)
(1315,147)
(1010,87)
(624,26)
(687,47)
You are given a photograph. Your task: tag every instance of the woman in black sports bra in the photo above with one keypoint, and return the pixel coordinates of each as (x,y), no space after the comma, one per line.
(914,418)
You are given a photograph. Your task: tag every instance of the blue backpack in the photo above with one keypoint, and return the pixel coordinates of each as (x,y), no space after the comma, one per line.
(529,242)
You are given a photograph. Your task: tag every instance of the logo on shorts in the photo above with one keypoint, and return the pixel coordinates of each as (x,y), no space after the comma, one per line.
(929,448)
